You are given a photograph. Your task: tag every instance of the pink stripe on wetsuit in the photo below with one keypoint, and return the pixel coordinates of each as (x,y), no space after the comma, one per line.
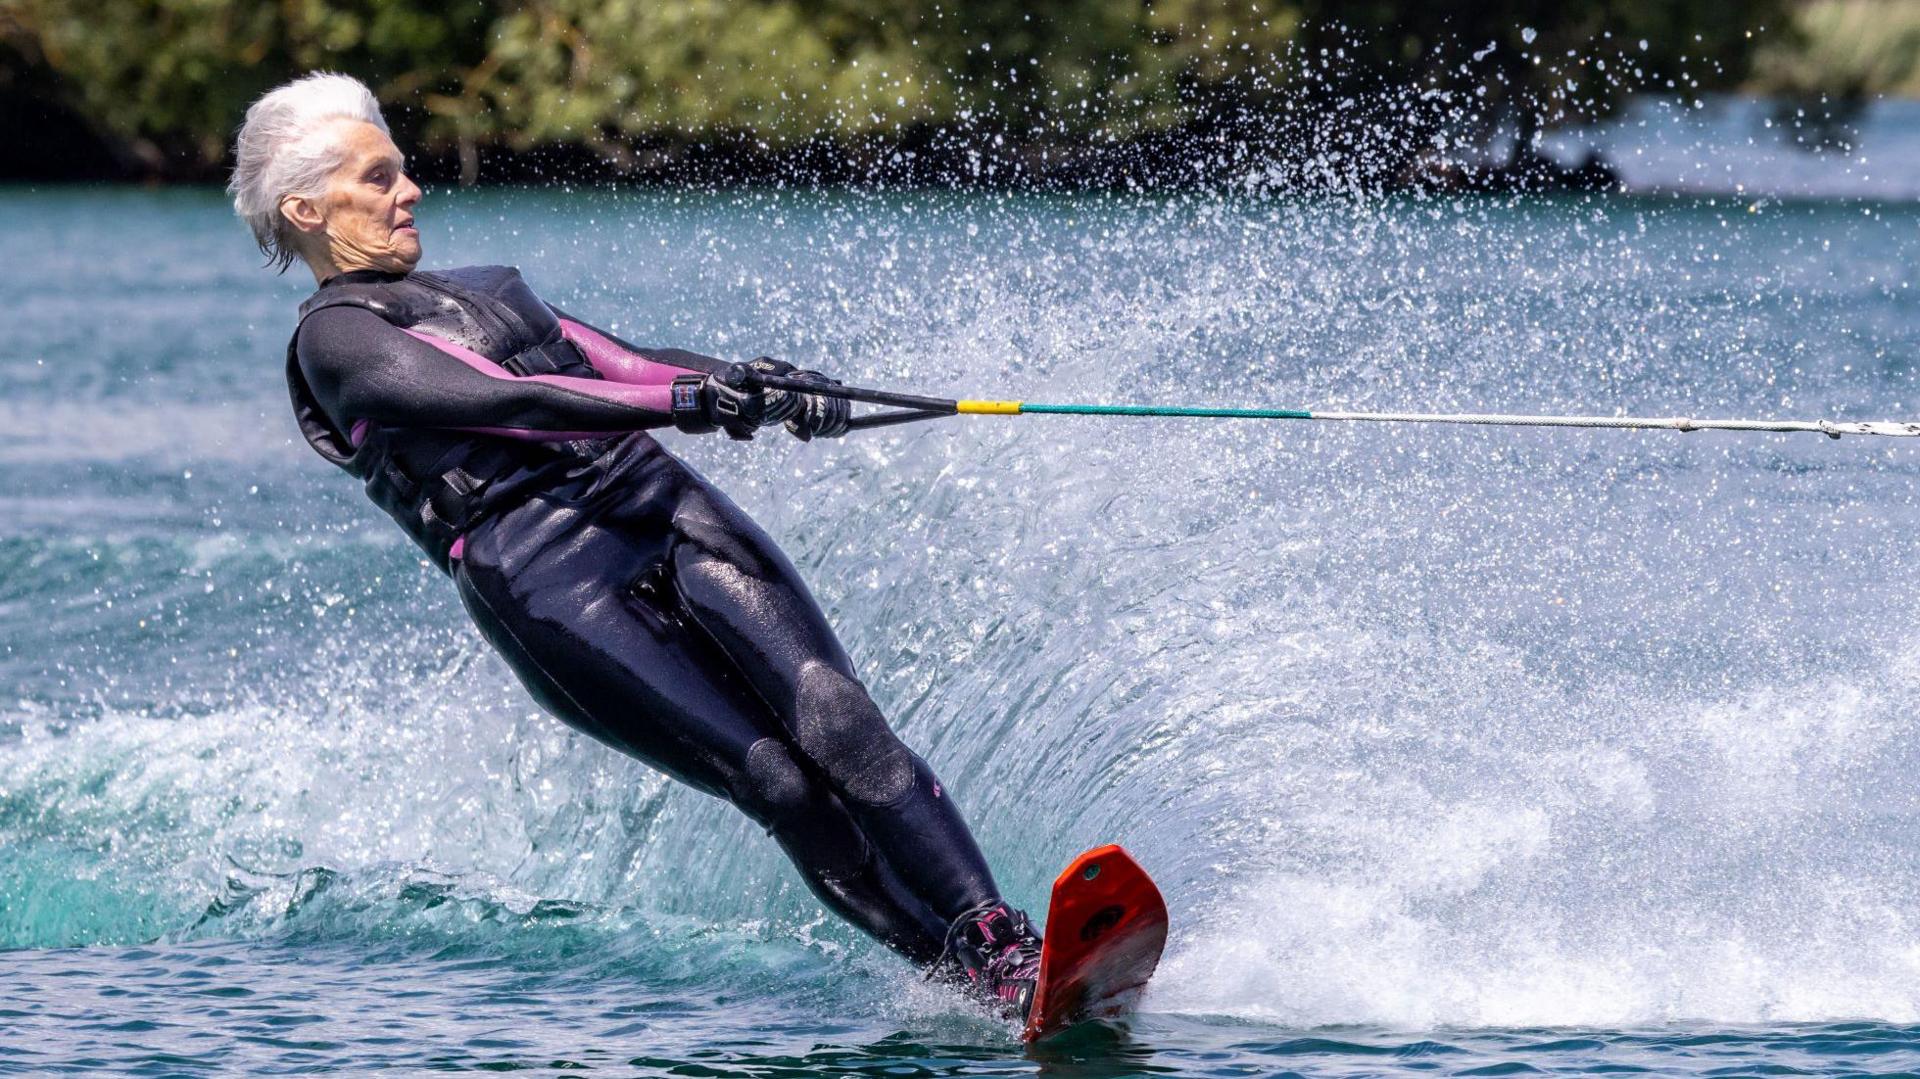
(617,363)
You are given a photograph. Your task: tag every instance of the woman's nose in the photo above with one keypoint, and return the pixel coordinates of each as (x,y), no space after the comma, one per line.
(409,191)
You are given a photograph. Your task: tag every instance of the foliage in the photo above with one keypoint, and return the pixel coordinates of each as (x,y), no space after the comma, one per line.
(613,78)
(1844,49)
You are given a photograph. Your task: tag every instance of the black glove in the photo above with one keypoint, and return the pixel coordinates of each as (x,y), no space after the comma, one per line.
(817,416)
(729,400)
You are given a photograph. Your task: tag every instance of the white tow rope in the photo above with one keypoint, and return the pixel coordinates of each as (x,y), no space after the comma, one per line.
(1830,428)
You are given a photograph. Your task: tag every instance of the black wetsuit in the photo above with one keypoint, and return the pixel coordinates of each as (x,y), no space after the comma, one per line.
(632,598)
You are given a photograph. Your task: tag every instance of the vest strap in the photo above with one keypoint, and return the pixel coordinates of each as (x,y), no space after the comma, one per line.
(456,499)
(559,357)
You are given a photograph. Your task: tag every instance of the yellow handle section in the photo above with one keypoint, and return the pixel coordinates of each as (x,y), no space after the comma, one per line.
(989,408)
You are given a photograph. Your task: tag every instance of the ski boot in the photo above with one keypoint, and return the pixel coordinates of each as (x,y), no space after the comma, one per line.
(999,957)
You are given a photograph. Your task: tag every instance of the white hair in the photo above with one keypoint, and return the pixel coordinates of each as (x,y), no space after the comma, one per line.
(284,149)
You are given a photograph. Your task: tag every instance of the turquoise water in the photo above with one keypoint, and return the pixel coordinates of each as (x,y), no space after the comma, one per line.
(1455,751)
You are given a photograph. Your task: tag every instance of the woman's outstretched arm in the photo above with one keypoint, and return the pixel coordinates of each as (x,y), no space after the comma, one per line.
(808,416)
(363,368)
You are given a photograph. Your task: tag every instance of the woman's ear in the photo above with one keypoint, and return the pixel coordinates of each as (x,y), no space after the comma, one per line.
(303,212)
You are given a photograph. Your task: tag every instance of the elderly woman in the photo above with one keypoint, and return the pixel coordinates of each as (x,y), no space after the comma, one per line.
(633,600)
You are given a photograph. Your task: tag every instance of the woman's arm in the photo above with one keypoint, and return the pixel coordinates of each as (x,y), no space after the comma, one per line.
(623,361)
(363,368)
(807,416)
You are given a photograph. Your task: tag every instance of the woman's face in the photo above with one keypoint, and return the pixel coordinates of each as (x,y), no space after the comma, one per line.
(366,215)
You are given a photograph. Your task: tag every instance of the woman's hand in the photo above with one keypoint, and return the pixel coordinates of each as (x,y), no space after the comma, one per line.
(817,416)
(732,400)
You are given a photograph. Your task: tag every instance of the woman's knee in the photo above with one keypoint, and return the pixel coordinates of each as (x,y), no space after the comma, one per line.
(842,731)
(773,788)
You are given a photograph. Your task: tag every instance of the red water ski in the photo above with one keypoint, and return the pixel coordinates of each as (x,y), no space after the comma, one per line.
(1106,926)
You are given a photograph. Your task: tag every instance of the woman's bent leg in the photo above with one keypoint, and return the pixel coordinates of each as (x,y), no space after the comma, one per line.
(745,593)
(594,652)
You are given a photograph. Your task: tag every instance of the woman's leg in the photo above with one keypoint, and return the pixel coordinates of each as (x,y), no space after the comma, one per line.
(596,649)
(747,595)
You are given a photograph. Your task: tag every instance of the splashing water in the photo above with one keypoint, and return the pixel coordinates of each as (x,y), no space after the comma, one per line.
(1419,729)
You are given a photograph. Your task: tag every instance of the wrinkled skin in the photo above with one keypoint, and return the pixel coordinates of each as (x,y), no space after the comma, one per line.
(364,220)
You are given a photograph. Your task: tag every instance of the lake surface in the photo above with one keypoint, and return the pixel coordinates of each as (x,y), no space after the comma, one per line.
(1456,751)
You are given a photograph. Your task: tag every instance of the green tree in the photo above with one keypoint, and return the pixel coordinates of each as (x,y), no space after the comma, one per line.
(1389,82)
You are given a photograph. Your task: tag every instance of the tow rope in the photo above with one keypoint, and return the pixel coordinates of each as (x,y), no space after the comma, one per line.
(912,407)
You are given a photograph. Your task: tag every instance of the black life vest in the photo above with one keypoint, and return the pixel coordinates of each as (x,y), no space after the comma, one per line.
(435,483)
